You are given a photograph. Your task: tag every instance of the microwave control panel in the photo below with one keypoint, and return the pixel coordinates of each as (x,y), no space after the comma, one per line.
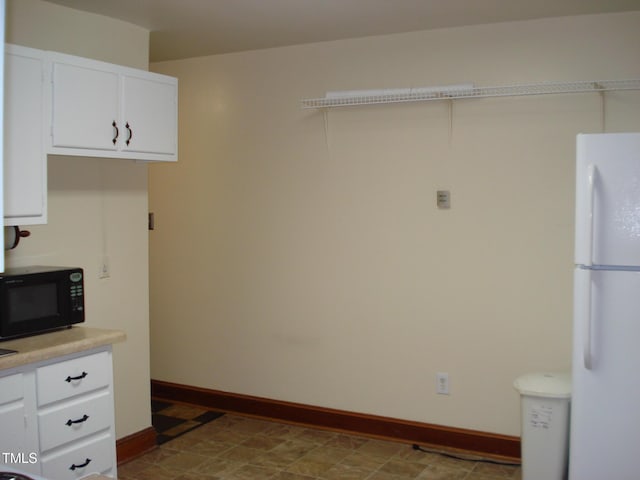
(77,298)
(76,291)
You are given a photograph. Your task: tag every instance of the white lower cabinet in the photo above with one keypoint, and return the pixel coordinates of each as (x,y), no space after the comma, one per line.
(60,412)
(17,437)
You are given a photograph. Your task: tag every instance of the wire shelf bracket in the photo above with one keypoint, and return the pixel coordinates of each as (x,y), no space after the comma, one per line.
(454,92)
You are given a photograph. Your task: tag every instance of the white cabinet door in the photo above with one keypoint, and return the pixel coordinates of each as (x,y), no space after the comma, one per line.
(12,415)
(149,109)
(85,110)
(25,172)
(18,425)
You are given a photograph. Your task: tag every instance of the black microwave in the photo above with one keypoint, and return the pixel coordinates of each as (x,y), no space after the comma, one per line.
(38,299)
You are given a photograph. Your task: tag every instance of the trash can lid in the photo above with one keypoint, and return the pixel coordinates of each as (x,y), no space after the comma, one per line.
(553,385)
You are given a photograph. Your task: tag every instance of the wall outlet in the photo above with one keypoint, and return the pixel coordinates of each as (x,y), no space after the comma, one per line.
(442,383)
(104,269)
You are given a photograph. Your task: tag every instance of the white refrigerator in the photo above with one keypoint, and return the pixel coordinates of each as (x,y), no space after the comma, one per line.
(605,405)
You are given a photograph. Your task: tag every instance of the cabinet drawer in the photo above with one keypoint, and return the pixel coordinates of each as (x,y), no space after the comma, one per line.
(11,388)
(89,457)
(75,421)
(73,377)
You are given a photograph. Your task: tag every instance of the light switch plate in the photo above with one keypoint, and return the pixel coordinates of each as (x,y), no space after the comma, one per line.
(443,199)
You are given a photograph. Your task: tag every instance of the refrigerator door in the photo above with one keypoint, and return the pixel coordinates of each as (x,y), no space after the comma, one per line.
(608,200)
(605,405)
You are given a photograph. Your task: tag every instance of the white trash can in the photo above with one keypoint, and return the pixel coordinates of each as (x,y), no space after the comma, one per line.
(545,425)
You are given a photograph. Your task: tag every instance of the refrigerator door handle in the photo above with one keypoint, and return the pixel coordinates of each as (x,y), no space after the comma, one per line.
(586,348)
(591,177)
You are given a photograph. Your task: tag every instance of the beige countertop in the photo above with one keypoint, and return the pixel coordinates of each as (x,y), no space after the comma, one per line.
(55,344)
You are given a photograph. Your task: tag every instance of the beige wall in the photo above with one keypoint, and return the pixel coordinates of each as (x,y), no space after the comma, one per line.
(96,205)
(312,265)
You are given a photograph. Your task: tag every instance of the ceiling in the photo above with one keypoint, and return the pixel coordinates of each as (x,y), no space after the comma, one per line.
(191,28)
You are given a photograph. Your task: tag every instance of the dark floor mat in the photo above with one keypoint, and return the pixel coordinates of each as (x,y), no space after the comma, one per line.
(172,420)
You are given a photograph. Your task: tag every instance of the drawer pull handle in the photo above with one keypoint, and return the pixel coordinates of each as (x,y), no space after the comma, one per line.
(79,377)
(82,465)
(130,130)
(84,418)
(115,126)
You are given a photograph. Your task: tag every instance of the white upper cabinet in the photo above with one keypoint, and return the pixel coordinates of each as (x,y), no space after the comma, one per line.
(64,105)
(149,114)
(25,162)
(105,110)
(85,111)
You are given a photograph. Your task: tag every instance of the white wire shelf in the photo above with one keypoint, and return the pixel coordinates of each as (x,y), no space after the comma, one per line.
(453,92)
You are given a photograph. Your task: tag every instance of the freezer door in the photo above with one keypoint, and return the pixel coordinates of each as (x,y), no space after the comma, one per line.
(605,404)
(608,199)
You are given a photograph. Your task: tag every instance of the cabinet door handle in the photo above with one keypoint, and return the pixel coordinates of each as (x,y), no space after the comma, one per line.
(115,138)
(82,465)
(84,418)
(79,377)
(130,133)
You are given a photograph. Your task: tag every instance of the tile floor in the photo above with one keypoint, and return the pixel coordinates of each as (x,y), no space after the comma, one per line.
(232,447)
